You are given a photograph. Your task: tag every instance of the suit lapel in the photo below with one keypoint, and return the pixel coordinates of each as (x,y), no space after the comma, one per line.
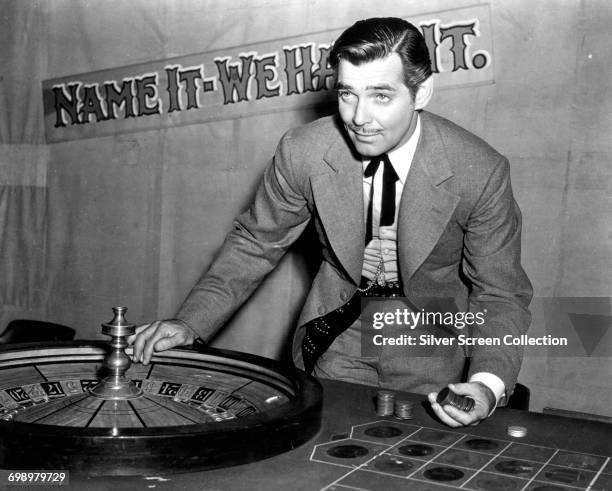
(338,194)
(425,207)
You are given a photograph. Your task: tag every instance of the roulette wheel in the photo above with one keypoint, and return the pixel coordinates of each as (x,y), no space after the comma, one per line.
(83,406)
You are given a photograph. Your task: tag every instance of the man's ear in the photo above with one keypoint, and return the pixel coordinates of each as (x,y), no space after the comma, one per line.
(424,93)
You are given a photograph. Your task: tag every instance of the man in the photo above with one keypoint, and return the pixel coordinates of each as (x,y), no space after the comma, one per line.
(403,202)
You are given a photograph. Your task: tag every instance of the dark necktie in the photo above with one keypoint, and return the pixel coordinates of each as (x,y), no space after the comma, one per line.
(387,209)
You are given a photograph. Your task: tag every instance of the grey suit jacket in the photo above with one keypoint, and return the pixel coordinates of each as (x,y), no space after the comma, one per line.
(458,237)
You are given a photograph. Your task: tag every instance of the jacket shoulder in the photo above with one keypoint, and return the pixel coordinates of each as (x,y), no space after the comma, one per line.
(460,144)
(312,140)
(301,151)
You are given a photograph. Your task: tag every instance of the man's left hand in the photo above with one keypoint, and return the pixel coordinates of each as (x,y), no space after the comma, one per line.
(484,402)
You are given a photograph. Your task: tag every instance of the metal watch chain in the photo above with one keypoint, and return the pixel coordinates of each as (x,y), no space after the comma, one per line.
(379,277)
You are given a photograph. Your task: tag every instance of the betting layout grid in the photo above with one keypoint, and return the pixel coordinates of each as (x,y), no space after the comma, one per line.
(391,455)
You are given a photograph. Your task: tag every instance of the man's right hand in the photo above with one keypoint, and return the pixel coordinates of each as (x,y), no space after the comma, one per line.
(159,336)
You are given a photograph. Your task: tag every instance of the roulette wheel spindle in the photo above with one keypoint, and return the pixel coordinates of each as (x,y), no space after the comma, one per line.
(115,386)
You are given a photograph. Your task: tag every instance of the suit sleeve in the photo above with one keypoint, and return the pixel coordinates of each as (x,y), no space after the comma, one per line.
(258,240)
(500,288)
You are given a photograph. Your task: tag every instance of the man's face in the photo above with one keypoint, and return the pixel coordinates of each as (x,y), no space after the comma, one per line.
(376,106)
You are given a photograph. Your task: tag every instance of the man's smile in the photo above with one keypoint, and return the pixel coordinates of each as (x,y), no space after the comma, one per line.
(361,134)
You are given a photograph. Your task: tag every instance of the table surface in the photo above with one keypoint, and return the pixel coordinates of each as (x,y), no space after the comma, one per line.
(346,405)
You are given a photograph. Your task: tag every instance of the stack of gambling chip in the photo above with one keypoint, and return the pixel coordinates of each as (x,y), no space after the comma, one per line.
(403,409)
(385,402)
(448,397)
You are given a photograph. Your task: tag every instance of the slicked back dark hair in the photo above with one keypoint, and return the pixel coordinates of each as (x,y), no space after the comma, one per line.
(370,39)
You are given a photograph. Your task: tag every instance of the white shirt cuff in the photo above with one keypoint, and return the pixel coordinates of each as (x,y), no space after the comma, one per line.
(493,382)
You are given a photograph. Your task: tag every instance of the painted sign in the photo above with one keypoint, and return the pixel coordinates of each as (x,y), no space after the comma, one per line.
(259,78)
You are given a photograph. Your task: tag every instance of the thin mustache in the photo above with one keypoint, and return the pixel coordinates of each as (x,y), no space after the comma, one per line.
(361,132)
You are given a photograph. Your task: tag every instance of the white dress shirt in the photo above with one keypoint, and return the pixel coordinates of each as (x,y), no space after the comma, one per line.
(384,239)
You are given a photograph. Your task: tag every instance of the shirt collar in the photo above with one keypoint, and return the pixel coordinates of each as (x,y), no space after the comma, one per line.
(401,158)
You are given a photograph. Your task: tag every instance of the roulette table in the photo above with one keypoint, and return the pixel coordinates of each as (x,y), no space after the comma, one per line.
(219,420)
(355,449)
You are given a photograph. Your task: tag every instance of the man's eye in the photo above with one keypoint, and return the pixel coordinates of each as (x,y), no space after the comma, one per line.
(382,98)
(344,94)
